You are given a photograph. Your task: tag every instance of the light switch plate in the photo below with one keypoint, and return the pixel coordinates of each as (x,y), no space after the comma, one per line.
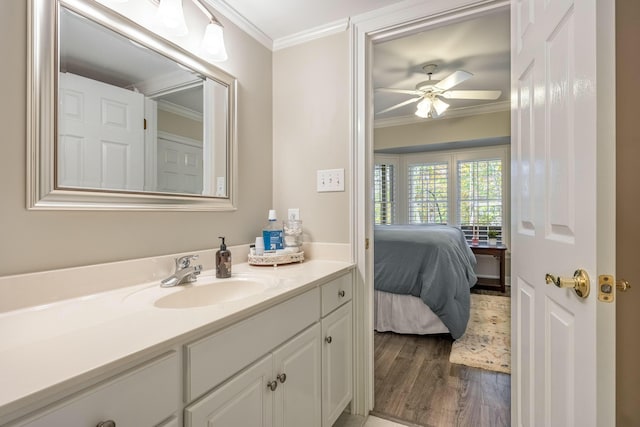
(330,180)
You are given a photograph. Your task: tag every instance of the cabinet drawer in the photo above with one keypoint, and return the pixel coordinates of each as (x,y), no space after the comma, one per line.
(217,357)
(336,293)
(145,396)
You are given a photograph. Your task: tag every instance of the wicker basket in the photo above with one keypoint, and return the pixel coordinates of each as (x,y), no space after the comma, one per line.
(276,259)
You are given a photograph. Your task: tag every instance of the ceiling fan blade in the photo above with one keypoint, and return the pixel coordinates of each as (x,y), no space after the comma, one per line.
(407,91)
(453,79)
(402,104)
(472,94)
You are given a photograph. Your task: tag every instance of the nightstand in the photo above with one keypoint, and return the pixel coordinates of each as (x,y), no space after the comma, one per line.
(498,252)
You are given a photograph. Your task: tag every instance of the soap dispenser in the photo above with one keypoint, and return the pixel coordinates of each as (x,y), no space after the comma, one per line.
(223,261)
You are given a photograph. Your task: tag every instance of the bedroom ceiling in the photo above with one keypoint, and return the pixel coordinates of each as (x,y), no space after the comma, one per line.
(480,46)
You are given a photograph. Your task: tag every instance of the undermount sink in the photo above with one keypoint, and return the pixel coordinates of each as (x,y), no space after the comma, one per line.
(208,291)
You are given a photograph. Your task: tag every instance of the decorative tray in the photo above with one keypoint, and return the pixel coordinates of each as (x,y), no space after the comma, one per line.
(275,259)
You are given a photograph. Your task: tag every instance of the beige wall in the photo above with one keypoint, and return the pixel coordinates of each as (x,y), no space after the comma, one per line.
(490,125)
(42,240)
(179,125)
(311,132)
(627,206)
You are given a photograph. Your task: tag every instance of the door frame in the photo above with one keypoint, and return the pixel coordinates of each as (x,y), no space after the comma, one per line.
(394,21)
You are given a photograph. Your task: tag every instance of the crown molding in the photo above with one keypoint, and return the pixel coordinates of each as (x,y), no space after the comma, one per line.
(179,110)
(493,107)
(222,7)
(311,34)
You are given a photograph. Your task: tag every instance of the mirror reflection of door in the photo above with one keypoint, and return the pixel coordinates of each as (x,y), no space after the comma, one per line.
(131,119)
(179,165)
(100,143)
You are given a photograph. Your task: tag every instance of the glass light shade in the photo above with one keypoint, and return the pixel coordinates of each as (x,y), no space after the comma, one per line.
(440,106)
(171,15)
(424,105)
(425,114)
(213,43)
(424,108)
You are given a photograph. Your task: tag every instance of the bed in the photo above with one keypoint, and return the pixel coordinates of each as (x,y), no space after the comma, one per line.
(422,279)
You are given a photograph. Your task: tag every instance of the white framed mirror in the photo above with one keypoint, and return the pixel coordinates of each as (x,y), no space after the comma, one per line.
(121,119)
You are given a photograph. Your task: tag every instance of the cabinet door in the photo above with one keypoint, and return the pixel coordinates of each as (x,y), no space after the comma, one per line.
(245,400)
(298,397)
(336,363)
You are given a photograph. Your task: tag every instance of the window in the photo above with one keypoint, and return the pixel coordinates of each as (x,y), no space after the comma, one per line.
(479,197)
(427,198)
(467,188)
(384,193)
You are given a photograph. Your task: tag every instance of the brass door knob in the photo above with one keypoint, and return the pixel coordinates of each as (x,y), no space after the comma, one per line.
(579,282)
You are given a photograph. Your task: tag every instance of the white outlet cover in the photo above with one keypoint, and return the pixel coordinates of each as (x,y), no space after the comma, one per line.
(220,186)
(293,213)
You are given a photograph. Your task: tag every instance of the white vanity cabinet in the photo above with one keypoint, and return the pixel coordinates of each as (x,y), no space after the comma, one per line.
(285,364)
(305,381)
(337,348)
(287,374)
(145,396)
(281,389)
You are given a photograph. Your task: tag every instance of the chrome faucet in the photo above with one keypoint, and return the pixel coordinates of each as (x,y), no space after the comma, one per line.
(185,272)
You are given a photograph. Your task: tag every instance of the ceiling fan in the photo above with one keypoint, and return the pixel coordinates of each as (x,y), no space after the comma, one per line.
(430,93)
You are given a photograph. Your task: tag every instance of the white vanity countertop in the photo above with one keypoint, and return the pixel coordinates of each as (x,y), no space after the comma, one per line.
(51,349)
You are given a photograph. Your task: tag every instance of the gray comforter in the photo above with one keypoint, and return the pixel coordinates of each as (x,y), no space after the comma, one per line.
(432,262)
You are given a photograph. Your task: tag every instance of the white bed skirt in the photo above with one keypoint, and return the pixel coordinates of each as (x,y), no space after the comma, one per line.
(405,314)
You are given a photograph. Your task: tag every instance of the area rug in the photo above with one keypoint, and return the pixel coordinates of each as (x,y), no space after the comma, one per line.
(487,342)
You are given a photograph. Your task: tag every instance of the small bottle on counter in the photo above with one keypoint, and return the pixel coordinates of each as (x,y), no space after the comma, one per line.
(259,246)
(273,234)
(223,261)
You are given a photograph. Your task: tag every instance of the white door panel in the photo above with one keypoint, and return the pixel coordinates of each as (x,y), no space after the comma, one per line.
(101,135)
(180,165)
(561,151)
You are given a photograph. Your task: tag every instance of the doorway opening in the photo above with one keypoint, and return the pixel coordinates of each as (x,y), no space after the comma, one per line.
(427,145)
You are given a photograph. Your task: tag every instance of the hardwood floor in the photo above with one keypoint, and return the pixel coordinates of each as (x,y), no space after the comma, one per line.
(414,382)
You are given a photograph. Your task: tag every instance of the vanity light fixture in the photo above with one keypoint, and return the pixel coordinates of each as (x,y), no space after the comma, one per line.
(171,14)
(213,40)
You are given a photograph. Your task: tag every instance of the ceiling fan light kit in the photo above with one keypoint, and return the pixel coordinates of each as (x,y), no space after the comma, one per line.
(429,92)
(431,107)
